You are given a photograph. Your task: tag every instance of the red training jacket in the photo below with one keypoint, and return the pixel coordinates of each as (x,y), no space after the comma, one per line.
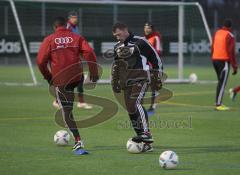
(61,50)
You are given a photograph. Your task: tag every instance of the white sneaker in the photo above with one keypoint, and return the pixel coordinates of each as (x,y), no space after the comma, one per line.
(84,105)
(55,104)
(232,94)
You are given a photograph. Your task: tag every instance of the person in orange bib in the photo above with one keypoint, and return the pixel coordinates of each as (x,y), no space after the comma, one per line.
(223,54)
(154,38)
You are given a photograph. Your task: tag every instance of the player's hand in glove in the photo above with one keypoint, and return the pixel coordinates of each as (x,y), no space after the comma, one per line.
(116,87)
(94,72)
(124,52)
(94,78)
(156,82)
(115,78)
(234,72)
(50,81)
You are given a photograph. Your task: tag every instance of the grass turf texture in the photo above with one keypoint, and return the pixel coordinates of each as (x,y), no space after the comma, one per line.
(209,147)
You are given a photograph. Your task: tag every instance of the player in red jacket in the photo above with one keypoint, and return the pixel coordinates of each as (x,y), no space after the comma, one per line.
(154,38)
(72,25)
(60,64)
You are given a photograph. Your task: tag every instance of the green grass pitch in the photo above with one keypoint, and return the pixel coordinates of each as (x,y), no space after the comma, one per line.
(209,144)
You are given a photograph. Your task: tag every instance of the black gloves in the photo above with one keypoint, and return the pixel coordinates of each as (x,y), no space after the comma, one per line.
(115,78)
(234,72)
(116,87)
(94,78)
(156,82)
(49,80)
(124,52)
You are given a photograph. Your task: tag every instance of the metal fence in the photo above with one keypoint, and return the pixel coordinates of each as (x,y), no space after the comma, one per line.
(96,20)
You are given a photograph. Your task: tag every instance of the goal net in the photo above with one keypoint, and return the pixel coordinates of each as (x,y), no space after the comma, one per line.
(24,23)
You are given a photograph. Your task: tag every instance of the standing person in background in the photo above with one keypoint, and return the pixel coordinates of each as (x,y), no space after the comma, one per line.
(72,26)
(72,23)
(223,54)
(154,38)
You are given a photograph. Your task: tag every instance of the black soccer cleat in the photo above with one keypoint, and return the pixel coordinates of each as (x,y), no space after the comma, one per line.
(143,138)
(78,145)
(147,147)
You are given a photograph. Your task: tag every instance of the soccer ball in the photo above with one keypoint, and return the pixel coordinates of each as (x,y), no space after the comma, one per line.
(168,160)
(134,147)
(61,137)
(193,78)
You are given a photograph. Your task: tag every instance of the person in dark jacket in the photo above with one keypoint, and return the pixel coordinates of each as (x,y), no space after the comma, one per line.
(131,74)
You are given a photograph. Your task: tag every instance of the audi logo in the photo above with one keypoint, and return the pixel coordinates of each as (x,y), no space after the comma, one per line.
(63,40)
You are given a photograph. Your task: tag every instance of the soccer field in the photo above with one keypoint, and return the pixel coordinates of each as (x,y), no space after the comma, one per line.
(207,142)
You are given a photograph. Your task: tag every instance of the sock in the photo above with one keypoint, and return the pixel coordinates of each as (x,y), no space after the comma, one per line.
(76,134)
(136,124)
(146,114)
(154,106)
(147,133)
(80,98)
(237,89)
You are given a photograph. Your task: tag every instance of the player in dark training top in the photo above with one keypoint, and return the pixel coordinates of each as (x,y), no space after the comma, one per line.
(131,74)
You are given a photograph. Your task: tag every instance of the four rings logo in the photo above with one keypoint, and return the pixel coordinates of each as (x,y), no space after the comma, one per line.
(63,40)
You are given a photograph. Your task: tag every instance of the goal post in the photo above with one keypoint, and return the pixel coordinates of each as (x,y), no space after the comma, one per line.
(183,26)
(26,52)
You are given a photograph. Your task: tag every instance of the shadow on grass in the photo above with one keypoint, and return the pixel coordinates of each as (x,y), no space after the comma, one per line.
(200,149)
(107,148)
(180,149)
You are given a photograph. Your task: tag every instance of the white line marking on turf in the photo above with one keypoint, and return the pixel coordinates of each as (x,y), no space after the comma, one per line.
(194,93)
(186,104)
